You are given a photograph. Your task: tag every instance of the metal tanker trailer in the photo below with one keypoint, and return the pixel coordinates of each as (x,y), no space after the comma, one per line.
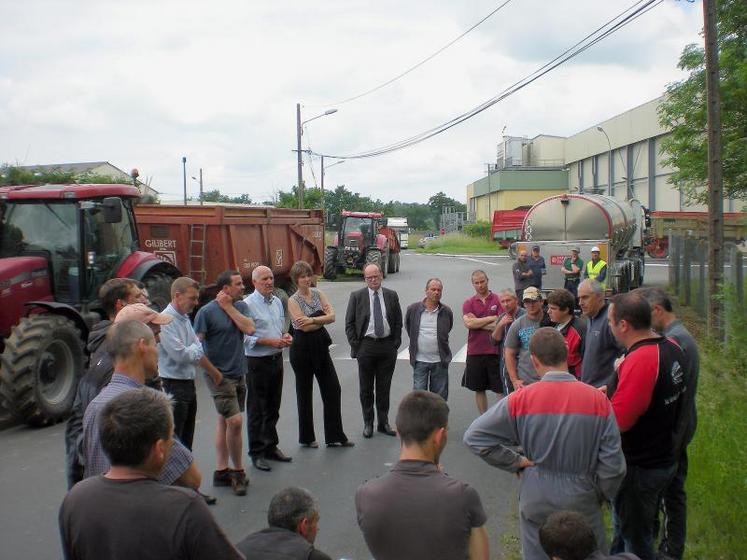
(561,222)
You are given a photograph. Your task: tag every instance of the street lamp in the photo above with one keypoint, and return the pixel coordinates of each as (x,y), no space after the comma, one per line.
(609,164)
(299,133)
(184,174)
(200,180)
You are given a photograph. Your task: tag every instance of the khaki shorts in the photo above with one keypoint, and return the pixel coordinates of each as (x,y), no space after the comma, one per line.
(230,396)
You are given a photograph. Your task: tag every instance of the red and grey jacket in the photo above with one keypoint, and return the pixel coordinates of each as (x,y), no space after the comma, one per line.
(574,334)
(647,402)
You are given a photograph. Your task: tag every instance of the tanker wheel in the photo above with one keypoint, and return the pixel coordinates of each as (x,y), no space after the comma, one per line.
(392,263)
(374,256)
(159,289)
(397,262)
(41,364)
(330,263)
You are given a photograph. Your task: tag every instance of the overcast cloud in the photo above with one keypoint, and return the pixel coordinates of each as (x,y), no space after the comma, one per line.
(143,83)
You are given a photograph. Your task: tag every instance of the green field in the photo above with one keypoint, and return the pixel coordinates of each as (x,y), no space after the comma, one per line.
(457,243)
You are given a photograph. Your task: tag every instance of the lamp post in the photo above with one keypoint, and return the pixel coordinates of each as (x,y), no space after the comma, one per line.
(609,165)
(200,181)
(299,133)
(184,175)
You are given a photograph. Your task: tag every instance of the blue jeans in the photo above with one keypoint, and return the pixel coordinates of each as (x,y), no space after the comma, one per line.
(432,377)
(636,507)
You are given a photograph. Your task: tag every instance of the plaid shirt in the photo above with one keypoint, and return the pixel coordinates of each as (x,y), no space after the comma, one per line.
(95,460)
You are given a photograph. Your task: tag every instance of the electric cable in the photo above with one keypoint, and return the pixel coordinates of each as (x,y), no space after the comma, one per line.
(587,42)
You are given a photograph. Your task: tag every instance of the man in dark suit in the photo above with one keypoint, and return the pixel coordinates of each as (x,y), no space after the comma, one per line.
(373,325)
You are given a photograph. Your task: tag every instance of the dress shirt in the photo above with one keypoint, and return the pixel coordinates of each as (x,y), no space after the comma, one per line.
(269,320)
(179,349)
(370,330)
(96,461)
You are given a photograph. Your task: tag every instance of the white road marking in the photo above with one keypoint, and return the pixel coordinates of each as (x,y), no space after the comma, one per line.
(460,357)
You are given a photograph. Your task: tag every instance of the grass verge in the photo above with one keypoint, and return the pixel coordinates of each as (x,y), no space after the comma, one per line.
(460,243)
(717,470)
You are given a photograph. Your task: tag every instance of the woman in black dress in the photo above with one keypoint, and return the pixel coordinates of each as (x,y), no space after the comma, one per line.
(309,311)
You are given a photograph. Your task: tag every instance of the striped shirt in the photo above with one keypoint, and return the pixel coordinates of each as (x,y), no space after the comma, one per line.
(95,460)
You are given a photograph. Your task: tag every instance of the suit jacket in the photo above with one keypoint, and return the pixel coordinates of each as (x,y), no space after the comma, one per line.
(358,315)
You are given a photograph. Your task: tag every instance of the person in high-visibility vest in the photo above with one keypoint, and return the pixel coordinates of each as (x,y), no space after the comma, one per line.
(596,268)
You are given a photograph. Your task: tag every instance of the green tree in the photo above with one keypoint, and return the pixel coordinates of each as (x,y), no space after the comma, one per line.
(684,111)
(216,196)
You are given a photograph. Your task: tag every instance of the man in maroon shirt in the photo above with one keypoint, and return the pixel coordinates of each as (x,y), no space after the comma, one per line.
(647,406)
(483,368)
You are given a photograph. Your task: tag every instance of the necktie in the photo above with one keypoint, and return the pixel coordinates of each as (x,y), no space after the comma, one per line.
(378,317)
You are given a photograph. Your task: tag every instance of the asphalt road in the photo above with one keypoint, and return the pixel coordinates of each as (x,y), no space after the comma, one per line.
(32,477)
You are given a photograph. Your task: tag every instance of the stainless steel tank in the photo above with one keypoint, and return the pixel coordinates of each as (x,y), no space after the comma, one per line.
(580,217)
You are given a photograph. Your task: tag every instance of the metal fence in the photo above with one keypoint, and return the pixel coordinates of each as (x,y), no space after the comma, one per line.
(688,273)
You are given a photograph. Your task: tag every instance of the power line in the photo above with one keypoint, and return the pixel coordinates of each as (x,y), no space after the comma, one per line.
(624,18)
(418,65)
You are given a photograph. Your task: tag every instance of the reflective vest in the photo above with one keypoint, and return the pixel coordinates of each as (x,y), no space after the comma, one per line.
(593,271)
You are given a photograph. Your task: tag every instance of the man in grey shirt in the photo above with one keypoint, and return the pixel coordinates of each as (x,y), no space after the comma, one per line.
(601,349)
(416,510)
(428,324)
(523,274)
(519,366)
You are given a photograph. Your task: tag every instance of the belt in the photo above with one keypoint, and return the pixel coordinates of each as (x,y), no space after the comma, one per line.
(374,339)
(268,357)
(171,380)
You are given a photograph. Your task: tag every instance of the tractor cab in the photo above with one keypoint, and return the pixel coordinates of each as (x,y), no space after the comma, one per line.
(82,232)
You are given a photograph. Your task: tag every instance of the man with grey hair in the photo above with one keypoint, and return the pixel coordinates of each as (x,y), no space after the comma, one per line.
(601,349)
(428,324)
(126,513)
(132,347)
(293,519)
(674,499)
(264,351)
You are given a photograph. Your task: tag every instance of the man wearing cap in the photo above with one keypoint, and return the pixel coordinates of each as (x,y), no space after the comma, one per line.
(132,346)
(516,347)
(572,267)
(523,274)
(536,264)
(596,268)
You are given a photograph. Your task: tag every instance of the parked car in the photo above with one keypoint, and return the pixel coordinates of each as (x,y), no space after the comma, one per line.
(423,241)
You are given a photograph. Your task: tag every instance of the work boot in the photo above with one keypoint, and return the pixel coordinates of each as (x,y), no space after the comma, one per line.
(239,482)
(222,477)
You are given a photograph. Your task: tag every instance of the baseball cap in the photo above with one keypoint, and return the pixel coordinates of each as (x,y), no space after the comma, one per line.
(595,249)
(143,313)
(532,293)
(535,247)
(576,250)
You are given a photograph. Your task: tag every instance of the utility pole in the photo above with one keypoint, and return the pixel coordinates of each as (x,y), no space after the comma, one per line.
(298,151)
(322,181)
(200,186)
(715,177)
(184,175)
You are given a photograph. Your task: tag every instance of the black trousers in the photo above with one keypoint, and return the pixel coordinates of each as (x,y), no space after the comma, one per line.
(376,361)
(674,506)
(306,367)
(263,393)
(184,398)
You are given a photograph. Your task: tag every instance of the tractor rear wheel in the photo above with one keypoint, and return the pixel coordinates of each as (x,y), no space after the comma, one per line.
(159,289)
(330,263)
(41,365)
(373,256)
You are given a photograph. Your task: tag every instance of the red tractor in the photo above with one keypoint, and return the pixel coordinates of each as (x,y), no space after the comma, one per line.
(58,245)
(362,238)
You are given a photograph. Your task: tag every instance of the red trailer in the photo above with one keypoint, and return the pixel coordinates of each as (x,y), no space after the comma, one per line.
(203,241)
(696,223)
(507,224)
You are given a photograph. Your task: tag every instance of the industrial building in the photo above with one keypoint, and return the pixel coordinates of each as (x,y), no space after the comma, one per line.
(619,156)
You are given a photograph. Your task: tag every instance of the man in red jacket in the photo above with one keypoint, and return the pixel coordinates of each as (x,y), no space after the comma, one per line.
(647,406)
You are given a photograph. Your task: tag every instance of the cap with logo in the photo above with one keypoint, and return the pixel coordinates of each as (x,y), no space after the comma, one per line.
(531,293)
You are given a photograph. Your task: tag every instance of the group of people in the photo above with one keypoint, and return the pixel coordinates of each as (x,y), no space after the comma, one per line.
(596,411)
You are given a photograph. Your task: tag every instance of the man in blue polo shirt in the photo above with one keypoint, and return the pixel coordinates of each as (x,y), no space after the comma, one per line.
(221,326)
(264,351)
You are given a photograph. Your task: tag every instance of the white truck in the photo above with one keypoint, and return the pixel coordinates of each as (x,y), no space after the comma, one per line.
(399,225)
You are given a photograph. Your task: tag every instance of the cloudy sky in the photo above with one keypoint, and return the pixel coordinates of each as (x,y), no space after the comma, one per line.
(143,83)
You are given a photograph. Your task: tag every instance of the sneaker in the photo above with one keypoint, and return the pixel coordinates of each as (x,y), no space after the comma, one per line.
(222,478)
(239,482)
